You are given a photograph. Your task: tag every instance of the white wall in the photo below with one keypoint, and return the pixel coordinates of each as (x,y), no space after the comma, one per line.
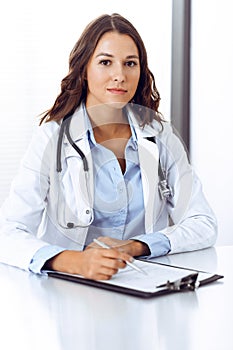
(211,106)
(36,39)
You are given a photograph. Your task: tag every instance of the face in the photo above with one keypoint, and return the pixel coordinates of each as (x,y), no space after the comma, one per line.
(113,71)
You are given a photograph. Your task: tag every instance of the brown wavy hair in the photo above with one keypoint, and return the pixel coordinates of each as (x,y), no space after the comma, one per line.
(74,85)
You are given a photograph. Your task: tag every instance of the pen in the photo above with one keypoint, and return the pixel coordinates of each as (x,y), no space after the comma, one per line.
(132,265)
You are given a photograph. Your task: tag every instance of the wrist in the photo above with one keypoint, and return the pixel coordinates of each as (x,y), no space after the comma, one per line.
(53,263)
(139,248)
(64,262)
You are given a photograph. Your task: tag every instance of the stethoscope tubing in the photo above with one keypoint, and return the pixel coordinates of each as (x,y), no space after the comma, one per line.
(65,129)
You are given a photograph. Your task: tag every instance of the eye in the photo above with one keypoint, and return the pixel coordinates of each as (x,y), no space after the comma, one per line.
(105,62)
(131,63)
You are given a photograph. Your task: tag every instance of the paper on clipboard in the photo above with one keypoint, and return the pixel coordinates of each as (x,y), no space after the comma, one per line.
(156,274)
(131,282)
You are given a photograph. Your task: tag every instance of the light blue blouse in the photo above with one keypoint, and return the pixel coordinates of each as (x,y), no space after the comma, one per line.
(118,202)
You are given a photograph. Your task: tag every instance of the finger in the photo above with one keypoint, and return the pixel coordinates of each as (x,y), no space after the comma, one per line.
(107,271)
(108,258)
(102,277)
(115,264)
(102,272)
(117,255)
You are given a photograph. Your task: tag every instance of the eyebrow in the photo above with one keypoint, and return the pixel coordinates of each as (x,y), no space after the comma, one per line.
(109,55)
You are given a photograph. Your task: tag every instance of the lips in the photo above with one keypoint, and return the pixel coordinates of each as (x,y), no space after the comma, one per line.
(117,91)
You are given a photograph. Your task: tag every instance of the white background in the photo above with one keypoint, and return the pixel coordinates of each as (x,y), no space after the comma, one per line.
(211,107)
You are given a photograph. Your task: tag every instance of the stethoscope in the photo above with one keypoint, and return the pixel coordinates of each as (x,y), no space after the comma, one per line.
(65,130)
(164,189)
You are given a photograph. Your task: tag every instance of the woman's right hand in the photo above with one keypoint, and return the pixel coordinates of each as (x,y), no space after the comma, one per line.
(94,263)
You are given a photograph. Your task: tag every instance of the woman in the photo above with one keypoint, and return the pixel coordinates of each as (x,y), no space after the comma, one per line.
(92,169)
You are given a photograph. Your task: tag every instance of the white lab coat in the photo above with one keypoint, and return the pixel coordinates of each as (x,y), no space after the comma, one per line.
(29,220)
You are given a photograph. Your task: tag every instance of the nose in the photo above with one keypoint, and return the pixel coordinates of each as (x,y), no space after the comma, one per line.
(118,74)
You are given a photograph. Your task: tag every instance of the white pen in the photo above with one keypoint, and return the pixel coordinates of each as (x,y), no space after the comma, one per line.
(104,245)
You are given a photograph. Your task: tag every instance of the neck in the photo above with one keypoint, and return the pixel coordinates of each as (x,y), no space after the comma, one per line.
(102,115)
(108,123)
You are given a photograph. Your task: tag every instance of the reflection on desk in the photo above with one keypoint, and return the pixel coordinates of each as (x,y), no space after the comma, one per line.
(38,312)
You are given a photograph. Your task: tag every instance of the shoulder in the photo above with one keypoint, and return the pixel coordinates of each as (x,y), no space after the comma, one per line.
(42,145)
(44,135)
(170,144)
(167,138)
(47,130)
(163,131)
(170,138)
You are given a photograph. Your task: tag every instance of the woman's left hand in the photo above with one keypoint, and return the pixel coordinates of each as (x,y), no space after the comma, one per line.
(131,247)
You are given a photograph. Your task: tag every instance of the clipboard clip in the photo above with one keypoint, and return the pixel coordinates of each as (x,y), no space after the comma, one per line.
(188,283)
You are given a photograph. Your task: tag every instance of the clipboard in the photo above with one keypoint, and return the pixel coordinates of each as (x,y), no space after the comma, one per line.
(160,279)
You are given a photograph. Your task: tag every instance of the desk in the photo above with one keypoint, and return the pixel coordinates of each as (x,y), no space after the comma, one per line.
(40,313)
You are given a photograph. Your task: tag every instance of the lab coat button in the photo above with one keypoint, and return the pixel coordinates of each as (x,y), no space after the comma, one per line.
(70,224)
(87,211)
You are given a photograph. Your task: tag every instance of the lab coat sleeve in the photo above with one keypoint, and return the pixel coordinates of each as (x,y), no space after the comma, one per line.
(22,212)
(194,223)
(42,255)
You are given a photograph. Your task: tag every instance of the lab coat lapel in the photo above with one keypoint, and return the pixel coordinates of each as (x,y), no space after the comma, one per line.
(78,131)
(149,158)
(77,182)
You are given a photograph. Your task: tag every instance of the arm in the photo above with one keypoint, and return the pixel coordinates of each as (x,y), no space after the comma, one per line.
(99,263)
(22,212)
(152,245)
(194,224)
(132,247)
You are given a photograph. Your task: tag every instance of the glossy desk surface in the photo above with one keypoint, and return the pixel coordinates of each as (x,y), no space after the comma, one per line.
(47,313)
